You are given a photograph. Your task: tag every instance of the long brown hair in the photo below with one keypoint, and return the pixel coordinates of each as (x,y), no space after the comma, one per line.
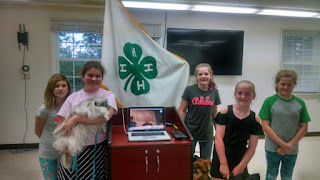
(212,84)
(49,97)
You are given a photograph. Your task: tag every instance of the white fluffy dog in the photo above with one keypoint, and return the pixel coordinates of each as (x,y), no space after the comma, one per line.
(93,108)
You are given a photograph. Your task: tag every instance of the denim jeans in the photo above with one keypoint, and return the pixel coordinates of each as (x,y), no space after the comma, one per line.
(288,162)
(205,148)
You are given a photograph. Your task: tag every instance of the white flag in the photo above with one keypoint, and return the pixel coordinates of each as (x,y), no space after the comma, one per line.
(139,71)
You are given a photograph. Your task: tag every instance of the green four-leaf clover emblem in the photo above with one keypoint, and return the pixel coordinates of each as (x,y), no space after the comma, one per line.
(139,70)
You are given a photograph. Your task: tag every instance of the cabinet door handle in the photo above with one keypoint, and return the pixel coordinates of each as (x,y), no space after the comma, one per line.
(147,164)
(158,161)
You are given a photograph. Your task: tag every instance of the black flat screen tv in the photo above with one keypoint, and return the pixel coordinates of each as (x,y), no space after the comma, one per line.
(222,49)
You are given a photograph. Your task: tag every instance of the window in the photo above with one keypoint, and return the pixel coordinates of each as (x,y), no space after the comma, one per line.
(301,53)
(75,49)
(154,31)
(79,42)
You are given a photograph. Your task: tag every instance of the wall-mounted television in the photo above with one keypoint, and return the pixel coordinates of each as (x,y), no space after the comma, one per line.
(222,49)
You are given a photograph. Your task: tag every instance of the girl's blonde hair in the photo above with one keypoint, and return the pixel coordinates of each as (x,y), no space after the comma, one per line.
(285,73)
(212,84)
(249,83)
(49,97)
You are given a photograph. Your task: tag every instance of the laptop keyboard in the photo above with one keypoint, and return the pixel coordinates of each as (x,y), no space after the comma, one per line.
(148,134)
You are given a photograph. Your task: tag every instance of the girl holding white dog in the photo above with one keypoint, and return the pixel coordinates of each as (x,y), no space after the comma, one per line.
(58,88)
(92,75)
(235,125)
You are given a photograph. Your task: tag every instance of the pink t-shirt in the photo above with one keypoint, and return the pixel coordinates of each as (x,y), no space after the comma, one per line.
(79,96)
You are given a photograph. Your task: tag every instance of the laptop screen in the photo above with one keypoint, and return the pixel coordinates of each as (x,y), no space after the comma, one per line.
(146,118)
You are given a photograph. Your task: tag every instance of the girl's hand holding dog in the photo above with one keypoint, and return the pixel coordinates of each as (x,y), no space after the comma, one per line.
(237,170)
(224,170)
(70,123)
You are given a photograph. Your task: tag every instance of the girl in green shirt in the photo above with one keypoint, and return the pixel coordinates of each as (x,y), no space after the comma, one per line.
(285,121)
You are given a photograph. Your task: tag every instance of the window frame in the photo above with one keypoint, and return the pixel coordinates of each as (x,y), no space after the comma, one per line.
(306,83)
(58,60)
(57,26)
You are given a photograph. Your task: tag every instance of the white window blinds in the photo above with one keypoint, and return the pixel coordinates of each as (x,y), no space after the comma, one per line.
(154,30)
(301,52)
(76,26)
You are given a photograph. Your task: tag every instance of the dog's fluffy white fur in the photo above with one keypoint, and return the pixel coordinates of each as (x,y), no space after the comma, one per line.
(75,142)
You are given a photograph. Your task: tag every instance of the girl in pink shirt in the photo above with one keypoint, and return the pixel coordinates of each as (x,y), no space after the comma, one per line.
(92,75)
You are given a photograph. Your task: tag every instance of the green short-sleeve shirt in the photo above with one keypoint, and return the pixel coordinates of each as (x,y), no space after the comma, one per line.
(285,117)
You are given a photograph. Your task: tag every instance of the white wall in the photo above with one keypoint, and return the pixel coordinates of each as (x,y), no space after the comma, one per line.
(38,57)
(260,62)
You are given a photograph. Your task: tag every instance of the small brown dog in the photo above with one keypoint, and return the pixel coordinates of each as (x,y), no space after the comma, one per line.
(202,168)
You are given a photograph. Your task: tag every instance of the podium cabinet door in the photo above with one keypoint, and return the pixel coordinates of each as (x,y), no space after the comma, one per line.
(172,162)
(131,163)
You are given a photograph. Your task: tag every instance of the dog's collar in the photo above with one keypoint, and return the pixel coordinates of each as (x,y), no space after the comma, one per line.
(195,171)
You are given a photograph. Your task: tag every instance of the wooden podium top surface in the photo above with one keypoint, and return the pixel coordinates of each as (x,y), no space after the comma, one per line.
(119,139)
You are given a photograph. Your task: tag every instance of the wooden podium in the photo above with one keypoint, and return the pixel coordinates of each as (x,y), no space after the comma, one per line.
(158,160)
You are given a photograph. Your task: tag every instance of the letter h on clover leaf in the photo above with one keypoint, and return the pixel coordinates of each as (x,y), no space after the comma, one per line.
(136,70)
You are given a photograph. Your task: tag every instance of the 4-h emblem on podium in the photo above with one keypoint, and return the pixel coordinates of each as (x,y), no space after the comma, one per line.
(140,70)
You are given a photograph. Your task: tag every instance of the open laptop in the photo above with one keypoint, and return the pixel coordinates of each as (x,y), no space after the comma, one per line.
(147,124)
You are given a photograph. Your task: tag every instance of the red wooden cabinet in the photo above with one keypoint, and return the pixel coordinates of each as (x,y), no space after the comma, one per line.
(157,160)
(151,162)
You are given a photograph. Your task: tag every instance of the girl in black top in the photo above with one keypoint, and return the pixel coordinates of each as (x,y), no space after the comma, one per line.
(235,125)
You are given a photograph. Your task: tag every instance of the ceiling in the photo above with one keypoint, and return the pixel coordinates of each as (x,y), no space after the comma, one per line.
(307,5)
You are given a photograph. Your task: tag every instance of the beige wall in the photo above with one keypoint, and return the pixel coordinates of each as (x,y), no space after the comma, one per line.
(38,57)
(260,62)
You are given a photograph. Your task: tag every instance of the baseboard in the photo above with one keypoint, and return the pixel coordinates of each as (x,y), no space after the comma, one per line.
(19,146)
(313,134)
(309,134)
